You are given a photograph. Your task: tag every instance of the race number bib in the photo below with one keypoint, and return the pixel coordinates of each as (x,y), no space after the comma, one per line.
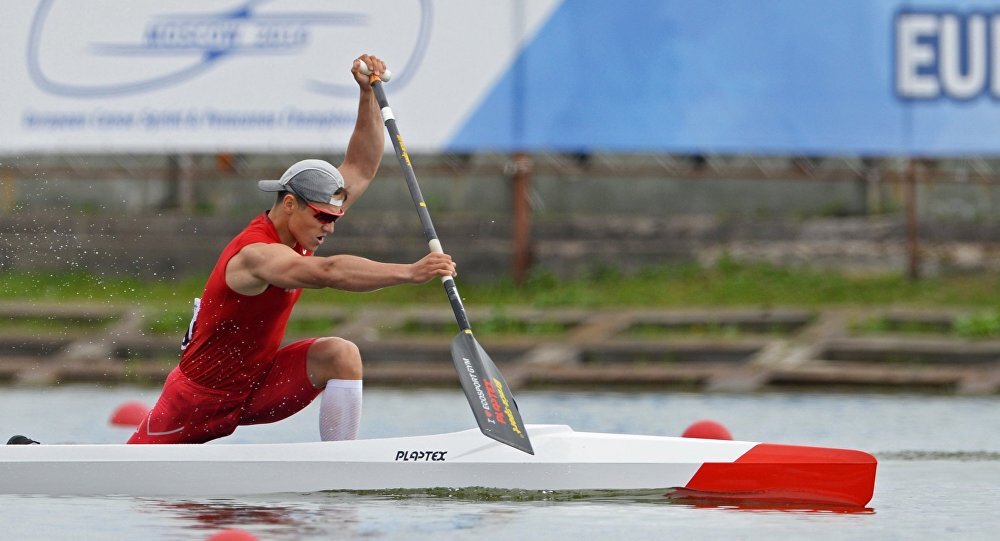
(190,330)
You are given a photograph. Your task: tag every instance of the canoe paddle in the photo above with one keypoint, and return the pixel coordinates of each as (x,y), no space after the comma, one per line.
(488,394)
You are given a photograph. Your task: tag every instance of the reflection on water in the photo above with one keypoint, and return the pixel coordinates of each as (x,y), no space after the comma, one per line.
(701,502)
(222,514)
(442,510)
(305,516)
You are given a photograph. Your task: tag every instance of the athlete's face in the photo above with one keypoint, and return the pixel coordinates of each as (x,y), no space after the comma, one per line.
(312,222)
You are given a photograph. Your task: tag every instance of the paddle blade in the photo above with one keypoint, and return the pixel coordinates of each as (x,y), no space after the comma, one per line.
(491,400)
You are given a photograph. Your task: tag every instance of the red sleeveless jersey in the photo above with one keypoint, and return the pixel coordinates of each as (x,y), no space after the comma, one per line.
(234,338)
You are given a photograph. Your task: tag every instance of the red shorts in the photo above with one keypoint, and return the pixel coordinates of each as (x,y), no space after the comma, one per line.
(188,412)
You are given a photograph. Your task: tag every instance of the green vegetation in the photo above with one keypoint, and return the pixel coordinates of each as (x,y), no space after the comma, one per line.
(53,324)
(882,325)
(729,283)
(174,321)
(978,325)
(167,302)
(717,330)
(499,323)
(82,287)
(502,323)
(311,325)
(168,322)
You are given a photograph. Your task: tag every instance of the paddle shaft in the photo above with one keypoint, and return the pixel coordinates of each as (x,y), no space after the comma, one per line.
(418,199)
(484,386)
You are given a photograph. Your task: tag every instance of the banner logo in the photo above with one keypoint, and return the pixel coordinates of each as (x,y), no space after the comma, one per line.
(946,54)
(140,46)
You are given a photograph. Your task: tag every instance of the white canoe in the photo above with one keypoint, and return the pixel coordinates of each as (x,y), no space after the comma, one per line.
(564,460)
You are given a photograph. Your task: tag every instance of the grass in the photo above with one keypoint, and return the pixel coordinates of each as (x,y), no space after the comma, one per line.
(715,330)
(984,323)
(498,323)
(744,284)
(52,324)
(167,322)
(882,325)
(981,324)
(87,288)
(728,283)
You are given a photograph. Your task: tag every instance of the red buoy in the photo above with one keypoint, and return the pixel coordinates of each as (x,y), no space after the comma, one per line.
(129,414)
(232,535)
(707,429)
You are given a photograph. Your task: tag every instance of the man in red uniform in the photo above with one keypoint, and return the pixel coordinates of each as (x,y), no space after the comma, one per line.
(233,370)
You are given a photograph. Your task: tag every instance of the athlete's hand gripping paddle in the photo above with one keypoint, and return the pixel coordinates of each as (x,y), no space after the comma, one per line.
(491,400)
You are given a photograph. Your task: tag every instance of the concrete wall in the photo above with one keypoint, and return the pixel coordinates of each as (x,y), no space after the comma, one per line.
(58,216)
(169,245)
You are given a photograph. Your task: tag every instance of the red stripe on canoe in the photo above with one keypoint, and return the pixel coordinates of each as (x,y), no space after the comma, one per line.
(789,473)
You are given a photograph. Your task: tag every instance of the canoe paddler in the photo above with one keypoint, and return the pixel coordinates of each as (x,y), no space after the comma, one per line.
(233,370)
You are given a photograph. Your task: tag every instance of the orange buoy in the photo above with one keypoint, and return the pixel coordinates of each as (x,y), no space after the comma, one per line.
(129,414)
(707,429)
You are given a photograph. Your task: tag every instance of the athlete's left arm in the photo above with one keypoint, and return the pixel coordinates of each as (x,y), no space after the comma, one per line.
(257,265)
(367,144)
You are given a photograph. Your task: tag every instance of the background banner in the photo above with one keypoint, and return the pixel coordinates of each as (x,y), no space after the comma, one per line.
(879,77)
(249,75)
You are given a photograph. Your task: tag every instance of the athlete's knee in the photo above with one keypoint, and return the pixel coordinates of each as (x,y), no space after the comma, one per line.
(335,358)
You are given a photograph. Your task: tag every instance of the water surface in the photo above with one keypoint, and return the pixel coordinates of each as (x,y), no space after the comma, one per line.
(939,471)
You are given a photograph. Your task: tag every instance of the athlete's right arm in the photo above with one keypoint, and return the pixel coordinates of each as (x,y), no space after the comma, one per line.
(256,266)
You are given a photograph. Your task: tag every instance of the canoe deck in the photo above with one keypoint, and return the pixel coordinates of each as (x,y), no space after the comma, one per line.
(564,460)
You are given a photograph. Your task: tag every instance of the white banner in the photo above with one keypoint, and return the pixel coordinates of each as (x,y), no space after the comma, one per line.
(248,76)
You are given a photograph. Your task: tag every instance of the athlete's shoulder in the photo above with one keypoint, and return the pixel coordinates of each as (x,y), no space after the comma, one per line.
(259,230)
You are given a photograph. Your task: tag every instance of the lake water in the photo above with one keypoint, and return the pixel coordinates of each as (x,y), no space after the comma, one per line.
(938,476)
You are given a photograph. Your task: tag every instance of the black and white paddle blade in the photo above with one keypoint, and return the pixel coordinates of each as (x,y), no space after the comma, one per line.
(491,400)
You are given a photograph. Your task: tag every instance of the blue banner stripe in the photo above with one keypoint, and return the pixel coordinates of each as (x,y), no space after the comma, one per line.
(770,76)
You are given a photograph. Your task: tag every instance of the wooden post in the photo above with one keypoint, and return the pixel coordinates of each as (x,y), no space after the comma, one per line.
(912,237)
(8,184)
(180,183)
(521,210)
(871,176)
(521,189)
